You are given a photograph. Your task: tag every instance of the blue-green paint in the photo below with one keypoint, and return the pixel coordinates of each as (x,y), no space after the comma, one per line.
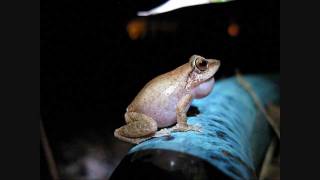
(234,134)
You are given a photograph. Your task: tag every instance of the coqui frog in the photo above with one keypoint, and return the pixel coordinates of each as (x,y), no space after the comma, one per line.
(165,100)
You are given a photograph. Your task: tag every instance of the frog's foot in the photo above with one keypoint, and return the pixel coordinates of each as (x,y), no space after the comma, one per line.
(138,140)
(162,132)
(129,140)
(185,127)
(139,128)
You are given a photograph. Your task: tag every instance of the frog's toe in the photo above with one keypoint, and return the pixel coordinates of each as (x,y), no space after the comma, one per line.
(195,128)
(179,128)
(162,132)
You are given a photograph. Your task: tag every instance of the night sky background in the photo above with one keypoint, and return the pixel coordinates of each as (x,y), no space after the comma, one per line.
(91,69)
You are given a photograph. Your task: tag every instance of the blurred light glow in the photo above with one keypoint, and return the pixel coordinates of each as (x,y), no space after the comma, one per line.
(233,29)
(172,163)
(176,4)
(136,28)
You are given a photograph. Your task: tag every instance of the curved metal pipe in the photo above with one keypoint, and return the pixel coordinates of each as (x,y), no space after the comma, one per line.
(235,133)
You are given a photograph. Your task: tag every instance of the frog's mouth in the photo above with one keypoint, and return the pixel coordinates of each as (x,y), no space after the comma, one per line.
(209,79)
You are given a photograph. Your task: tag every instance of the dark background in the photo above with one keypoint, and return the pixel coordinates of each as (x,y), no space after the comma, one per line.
(91,69)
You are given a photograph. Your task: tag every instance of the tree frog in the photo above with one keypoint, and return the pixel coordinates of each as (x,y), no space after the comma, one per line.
(165,100)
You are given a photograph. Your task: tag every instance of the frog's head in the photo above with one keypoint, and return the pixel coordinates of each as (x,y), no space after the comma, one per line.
(201,78)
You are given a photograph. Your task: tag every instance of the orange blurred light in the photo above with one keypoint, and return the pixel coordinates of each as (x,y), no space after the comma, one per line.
(233,29)
(136,28)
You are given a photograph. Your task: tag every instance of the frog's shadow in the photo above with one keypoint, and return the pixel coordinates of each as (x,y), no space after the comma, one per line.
(193,111)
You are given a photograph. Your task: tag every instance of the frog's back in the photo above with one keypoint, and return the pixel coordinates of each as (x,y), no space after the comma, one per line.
(160,91)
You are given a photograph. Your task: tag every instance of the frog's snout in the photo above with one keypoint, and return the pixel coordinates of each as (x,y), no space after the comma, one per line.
(216,62)
(214,66)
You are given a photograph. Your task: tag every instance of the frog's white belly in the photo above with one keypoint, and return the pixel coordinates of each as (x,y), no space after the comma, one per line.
(159,101)
(162,112)
(164,119)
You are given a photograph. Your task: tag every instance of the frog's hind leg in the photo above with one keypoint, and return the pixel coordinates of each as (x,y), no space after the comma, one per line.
(139,128)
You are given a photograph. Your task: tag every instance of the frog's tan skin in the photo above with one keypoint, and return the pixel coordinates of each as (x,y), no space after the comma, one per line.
(166,99)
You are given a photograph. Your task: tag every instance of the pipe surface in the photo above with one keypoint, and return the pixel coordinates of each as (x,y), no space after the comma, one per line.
(235,134)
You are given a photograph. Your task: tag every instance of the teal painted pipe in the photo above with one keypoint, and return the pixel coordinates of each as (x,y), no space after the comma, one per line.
(235,134)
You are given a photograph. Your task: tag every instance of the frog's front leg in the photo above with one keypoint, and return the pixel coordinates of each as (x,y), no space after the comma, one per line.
(139,128)
(181,110)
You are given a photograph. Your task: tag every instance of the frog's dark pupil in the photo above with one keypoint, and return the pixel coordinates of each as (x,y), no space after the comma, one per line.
(203,63)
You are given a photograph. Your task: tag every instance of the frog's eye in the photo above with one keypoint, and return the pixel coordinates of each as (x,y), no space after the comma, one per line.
(201,64)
